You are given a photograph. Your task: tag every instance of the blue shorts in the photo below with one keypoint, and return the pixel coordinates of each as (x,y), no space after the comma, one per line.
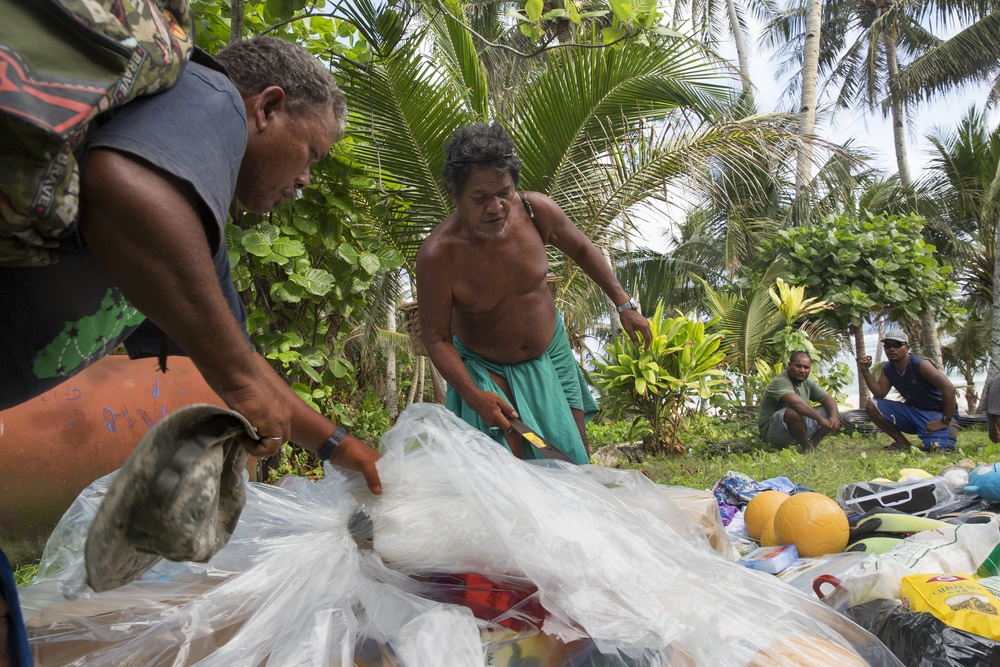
(914,420)
(777,430)
(17,636)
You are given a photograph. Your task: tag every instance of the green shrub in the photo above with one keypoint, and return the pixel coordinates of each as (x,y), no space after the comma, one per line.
(681,364)
(602,432)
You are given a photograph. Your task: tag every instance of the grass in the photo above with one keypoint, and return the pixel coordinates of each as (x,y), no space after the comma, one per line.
(716,446)
(24,574)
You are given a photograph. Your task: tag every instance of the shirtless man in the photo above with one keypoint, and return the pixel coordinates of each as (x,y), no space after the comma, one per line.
(487,316)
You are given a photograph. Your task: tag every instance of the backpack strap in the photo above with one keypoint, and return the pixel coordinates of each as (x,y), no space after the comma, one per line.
(531,211)
(527,207)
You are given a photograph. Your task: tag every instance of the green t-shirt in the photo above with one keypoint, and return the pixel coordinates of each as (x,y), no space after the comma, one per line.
(770,402)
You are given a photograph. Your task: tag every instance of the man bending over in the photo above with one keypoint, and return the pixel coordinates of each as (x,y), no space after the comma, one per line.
(487,316)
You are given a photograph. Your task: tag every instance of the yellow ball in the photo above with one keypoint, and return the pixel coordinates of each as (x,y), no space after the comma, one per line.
(767,538)
(913,473)
(760,511)
(814,523)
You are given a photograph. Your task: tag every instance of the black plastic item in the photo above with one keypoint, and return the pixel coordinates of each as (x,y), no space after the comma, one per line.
(919,639)
(856,421)
(972,420)
(871,496)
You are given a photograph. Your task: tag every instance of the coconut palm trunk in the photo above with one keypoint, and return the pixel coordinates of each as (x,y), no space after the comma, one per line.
(391,386)
(741,49)
(859,348)
(807,109)
(995,317)
(928,323)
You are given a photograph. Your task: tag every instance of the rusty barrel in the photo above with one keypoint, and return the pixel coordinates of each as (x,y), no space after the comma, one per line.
(54,445)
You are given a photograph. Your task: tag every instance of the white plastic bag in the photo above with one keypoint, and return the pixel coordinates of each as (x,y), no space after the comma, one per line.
(292,587)
(951,549)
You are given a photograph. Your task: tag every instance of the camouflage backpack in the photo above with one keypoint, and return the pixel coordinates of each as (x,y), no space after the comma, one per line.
(62,63)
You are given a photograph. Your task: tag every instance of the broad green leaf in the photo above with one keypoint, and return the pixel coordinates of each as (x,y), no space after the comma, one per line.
(255,243)
(287,247)
(314,281)
(370,263)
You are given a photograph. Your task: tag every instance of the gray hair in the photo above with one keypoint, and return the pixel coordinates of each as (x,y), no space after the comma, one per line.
(261,62)
(482,146)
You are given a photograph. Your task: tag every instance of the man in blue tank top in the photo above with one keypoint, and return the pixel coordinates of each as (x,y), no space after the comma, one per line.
(928,405)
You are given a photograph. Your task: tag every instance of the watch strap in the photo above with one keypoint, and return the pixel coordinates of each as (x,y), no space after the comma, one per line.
(631,304)
(331,444)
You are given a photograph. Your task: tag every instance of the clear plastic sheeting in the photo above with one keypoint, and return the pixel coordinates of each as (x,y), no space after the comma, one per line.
(593,566)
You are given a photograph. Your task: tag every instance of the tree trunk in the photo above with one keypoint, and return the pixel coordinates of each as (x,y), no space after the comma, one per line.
(421,370)
(898,119)
(971,396)
(236,21)
(859,349)
(993,213)
(563,25)
(929,336)
(878,346)
(995,311)
(411,395)
(391,387)
(438,383)
(741,49)
(807,108)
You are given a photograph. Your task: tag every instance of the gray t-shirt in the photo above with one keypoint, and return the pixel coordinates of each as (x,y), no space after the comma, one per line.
(993,397)
(770,401)
(56,320)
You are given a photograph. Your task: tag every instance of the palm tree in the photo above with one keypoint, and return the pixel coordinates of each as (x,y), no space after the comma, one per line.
(863,52)
(967,352)
(971,55)
(964,181)
(714,21)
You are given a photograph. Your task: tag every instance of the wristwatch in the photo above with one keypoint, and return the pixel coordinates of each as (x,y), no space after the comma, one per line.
(946,420)
(631,304)
(331,444)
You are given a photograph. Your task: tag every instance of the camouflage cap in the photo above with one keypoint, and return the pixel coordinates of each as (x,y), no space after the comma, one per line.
(178,496)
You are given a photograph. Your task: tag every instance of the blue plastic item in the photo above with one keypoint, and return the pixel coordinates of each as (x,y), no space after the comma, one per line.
(985,481)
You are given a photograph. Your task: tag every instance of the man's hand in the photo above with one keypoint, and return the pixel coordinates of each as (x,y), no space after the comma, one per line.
(493,409)
(936,425)
(865,363)
(356,455)
(834,422)
(252,390)
(634,323)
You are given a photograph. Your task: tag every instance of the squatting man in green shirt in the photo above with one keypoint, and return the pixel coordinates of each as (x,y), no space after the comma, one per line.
(786,411)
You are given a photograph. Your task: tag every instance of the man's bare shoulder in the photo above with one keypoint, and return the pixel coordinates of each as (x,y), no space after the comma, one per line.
(439,242)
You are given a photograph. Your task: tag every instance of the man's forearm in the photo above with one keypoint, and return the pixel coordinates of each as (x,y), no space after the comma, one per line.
(872,383)
(449,364)
(807,410)
(949,404)
(598,268)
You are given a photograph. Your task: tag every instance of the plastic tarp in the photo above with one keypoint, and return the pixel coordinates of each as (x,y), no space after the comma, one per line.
(621,572)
